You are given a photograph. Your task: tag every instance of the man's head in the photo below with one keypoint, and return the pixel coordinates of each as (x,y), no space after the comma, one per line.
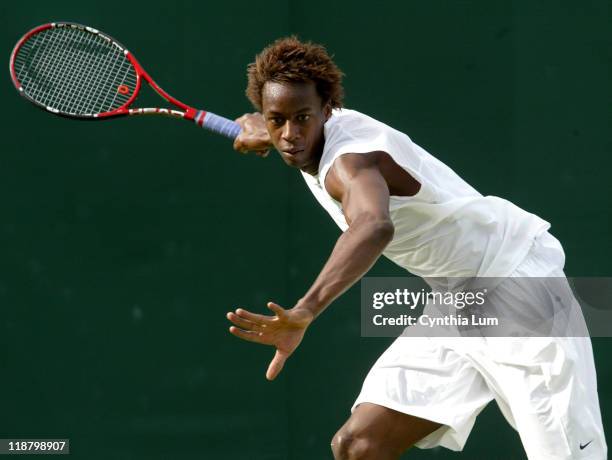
(295,85)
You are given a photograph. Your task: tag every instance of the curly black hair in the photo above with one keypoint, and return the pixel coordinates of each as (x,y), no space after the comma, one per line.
(290,60)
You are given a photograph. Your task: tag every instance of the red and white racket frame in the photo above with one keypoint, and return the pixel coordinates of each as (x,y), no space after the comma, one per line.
(202,118)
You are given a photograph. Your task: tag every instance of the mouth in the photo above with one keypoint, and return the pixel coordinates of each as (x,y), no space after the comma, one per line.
(293,151)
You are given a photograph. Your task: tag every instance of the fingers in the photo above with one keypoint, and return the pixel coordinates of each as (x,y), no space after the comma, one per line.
(242,119)
(244,324)
(238,145)
(276,365)
(243,147)
(250,336)
(254,136)
(239,142)
(255,318)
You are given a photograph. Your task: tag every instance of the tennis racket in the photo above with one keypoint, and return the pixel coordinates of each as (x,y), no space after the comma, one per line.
(79,72)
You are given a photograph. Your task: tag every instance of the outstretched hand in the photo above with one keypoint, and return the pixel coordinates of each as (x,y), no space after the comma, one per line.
(285,330)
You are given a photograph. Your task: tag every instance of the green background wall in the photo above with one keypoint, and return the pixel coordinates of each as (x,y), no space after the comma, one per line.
(123,244)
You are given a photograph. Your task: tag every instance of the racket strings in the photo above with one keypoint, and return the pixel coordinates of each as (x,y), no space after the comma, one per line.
(74,71)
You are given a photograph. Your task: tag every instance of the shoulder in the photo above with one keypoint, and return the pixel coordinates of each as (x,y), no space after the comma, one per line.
(343,119)
(350,169)
(349,131)
(350,164)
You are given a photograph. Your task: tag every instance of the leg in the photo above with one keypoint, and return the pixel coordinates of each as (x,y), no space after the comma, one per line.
(545,386)
(377,432)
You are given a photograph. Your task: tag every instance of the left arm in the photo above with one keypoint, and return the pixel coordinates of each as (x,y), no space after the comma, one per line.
(357,182)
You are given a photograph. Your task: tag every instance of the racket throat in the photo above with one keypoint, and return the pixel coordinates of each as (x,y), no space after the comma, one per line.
(160,111)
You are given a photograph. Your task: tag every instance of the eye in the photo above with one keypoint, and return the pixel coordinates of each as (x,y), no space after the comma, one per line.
(303,117)
(276,121)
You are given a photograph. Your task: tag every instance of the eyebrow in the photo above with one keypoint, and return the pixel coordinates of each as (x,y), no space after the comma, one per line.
(305,109)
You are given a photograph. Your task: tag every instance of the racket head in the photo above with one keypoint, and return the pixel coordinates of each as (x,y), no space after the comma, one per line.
(74,71)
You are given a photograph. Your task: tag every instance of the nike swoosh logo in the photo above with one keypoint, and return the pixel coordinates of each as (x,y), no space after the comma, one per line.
(583,446)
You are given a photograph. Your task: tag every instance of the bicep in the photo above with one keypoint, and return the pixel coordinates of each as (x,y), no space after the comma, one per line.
(358,183)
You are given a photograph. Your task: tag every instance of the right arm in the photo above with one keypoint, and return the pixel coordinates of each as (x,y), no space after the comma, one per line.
(254,136)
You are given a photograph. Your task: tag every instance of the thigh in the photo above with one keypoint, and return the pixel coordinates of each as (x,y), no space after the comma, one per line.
(393,430)
(427,378)
(546,388)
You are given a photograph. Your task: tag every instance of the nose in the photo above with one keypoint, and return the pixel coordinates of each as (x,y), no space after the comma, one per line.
(291,132)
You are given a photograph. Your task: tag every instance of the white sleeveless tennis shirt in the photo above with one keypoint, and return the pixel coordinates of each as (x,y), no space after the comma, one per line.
(447,229)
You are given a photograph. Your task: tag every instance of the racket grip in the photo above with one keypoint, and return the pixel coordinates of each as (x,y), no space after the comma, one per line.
(217,124)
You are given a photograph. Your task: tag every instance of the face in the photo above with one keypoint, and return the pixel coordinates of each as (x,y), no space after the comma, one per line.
(295,115)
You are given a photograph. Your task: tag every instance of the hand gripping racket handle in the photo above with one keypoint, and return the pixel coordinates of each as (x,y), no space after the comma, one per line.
(217,124)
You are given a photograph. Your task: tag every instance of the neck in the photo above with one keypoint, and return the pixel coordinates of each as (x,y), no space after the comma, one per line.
(312,168)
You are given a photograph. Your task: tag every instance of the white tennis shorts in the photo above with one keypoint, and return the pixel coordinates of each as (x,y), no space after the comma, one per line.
(545,387)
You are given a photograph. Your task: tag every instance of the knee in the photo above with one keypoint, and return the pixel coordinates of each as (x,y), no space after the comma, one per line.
(347,445)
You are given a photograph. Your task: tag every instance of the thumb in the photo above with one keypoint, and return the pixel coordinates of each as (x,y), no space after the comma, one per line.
(238,144)
(276,365)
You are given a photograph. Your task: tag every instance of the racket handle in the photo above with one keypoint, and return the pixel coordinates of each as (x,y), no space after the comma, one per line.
(217,124)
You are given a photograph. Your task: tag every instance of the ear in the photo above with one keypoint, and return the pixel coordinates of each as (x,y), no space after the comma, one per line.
(327,111)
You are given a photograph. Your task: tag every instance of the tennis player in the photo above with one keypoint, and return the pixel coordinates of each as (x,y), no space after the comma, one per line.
(389,196)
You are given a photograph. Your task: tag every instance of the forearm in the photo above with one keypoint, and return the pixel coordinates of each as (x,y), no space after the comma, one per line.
(354,254)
